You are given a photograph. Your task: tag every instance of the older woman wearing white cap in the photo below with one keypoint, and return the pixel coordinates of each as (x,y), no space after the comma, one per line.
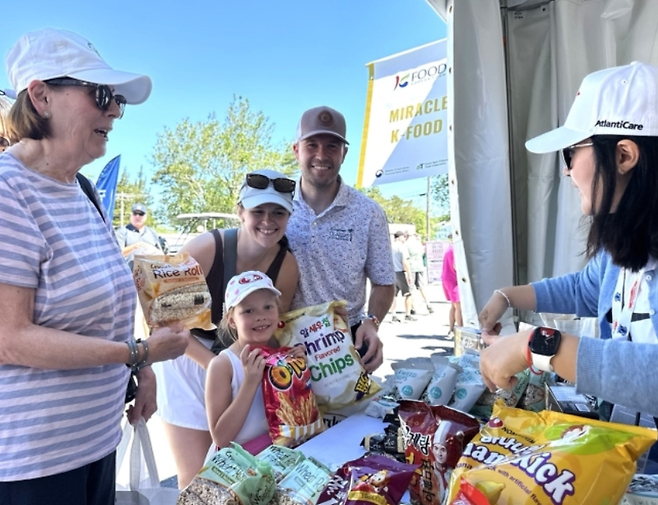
(264,207)
(609,147)
(67,298)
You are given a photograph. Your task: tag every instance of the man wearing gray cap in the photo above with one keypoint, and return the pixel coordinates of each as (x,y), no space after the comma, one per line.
(338,235)
(136,234)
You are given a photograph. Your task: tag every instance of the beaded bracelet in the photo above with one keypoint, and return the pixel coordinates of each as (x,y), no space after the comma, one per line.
(509,304)
(374,319)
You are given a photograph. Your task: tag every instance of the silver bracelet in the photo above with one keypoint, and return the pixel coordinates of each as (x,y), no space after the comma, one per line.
(509,304)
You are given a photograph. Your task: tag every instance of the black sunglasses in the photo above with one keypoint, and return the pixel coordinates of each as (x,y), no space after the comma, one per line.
(137,213)
(4,143)
(104,95)
(567,153)
(281,184)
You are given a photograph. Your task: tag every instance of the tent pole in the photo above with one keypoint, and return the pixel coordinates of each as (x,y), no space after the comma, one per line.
(427,216)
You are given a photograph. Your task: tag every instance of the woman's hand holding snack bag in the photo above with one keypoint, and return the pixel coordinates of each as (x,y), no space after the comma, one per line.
(167,342)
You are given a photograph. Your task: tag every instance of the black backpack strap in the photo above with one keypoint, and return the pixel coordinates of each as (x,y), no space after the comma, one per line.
(230,254)
(88,190)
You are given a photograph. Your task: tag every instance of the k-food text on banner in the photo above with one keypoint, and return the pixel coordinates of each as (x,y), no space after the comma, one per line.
(404,132)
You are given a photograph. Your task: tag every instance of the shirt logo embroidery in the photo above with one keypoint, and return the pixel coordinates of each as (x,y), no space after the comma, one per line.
(337,234)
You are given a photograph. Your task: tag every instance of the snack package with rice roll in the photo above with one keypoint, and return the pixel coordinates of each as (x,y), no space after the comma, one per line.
(550,458)
(231,476)
(172,288)
(282,459)
(303,484)
(434,438)
(290,406)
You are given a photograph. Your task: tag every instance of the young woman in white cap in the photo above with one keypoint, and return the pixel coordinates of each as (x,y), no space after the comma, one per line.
(264,207)
(67,298)
(609,145)
(234,396)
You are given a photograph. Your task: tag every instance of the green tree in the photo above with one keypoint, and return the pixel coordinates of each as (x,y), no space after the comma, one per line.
(441,195)
(200,165)
(399,210)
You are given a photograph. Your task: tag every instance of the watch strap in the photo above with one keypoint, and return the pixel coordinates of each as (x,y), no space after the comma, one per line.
(541,362)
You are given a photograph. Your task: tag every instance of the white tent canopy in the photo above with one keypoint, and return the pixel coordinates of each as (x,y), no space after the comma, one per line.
(516,218)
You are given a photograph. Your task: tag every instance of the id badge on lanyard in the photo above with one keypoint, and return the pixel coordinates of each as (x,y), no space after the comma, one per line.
(623,303)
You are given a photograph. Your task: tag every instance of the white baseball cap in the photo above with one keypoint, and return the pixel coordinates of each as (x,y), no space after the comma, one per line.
(242,285)
(253,197)
(614,101)
(50,53)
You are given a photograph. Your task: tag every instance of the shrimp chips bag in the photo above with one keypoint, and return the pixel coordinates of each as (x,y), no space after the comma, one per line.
(550,458)
(337,377)
(290,406)
(172,288)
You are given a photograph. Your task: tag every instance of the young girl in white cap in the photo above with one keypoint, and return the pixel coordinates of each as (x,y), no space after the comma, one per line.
(234,398)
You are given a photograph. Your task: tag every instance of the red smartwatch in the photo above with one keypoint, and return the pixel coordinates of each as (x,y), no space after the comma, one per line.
(543,344)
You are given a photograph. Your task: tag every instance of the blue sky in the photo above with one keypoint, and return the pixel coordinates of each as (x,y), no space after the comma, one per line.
(284,56)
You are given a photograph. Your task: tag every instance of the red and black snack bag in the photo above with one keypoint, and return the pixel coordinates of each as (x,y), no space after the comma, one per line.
(434,438)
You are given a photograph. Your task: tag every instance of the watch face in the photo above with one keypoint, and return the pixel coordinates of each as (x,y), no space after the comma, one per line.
(545,341)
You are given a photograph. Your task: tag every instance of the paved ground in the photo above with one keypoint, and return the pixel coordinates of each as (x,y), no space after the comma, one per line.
(401,341)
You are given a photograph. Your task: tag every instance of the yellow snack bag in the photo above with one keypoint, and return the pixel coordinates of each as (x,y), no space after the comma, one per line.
(172,288)
(550,458)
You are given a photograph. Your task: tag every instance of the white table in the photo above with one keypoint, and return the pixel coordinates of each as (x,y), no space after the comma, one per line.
(342,442)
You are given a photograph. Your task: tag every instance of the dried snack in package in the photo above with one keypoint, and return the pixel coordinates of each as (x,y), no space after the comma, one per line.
(372,479)
(303,484)
(172,288)
(290,406)
(470,384)
(534,396)
(281,459)
(484,405)
(442,384)
(338,378)
(231,476)
(550,458)
(434,438)
(408,382)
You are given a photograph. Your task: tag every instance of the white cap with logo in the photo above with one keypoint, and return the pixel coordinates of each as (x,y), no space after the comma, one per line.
(50,53)
(614,101)
(242,285)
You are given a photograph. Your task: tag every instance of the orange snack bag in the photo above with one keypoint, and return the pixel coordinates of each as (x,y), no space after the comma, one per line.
(290,406)
(172,288)
(550,458)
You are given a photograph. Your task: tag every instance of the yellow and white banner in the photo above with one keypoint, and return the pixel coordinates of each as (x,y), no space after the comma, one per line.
(404,133)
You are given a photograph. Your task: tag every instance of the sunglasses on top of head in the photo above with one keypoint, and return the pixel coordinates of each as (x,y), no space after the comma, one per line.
(281,184)
(567,153)
(104,95)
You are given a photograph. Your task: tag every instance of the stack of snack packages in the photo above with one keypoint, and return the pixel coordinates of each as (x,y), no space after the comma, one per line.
(283,476)
(340,382)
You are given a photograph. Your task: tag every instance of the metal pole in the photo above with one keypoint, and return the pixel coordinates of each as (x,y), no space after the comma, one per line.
(427,217)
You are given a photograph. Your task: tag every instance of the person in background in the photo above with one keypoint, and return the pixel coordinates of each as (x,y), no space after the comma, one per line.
(451,288)
(234,395)
(609,146)
(402,276)
(417,266)
(136,235)
(67,298)
(338,235)
(264,207)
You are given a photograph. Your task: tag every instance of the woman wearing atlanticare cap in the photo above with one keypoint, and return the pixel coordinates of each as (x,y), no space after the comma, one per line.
(609,147)
(67,298)
(264,207)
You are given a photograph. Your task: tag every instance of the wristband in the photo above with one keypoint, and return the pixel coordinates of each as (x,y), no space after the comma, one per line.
(509,304)
(138,366)
(134,353)
(374,319)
